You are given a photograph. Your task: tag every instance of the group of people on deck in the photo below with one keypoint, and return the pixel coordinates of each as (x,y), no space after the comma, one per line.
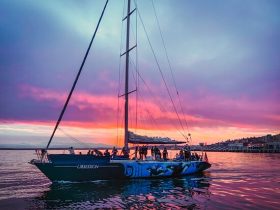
(96,152)
(155,153)
(141,153)
(185,154)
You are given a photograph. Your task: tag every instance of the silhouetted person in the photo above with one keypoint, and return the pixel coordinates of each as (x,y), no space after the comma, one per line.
(141,152)
(71,151)
(97,152)
(181,154)
(187,152)
(152,152)
(145,151)
(107,153)
(164,154)
(136,151)
(114,151)
(125,152)
(196,156)
(157,153)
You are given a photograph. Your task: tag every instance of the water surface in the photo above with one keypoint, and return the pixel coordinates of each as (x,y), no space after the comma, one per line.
(235,181)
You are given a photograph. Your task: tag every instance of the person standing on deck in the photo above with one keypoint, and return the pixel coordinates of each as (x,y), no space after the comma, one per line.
(141,152)
(164,154)
(145,151)
(136,151)
(125,152)
(71,151)
(187,152)
(196,156)
(153,152)
(114,151)
(181,154)
(106,153)
(98,153)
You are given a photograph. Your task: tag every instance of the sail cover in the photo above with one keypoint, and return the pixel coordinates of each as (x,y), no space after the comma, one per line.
(138,139)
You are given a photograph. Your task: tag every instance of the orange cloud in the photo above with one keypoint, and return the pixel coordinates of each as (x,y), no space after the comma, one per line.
(219,118)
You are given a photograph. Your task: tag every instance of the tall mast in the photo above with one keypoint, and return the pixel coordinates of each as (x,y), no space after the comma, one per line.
(126,76)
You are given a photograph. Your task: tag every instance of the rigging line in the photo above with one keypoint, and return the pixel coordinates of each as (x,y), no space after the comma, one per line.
(121,121)
(169,64)
(169,94)
(158,101)
(73,138)
(137,77)
(119,85)
(77,77)
(131,62)
(153,121)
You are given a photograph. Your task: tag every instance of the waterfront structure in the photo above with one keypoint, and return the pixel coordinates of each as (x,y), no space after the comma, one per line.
(267,144)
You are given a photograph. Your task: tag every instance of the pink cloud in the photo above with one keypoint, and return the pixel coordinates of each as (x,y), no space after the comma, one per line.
(235,111)
(208,111)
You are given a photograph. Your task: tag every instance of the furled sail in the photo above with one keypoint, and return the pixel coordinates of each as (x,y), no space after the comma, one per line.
(138,139)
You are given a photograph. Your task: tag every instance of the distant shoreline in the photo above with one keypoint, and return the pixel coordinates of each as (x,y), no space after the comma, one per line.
(241,150)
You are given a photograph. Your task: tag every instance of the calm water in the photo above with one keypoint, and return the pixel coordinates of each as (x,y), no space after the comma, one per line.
(235,181)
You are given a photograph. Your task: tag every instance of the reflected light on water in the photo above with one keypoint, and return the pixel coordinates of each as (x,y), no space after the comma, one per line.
(155,193)
(235,181)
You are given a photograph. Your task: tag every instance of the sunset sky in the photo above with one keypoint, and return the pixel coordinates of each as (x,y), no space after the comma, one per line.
(225,57)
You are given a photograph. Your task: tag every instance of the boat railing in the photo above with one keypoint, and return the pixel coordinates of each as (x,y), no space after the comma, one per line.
(204,157)
(42,155)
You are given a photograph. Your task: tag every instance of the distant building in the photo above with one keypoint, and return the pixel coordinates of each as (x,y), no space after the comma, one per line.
(273,145)
(236,145)
(256,145)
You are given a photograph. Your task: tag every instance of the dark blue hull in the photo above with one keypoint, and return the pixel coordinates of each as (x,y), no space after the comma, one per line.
(80,168)
(81,173)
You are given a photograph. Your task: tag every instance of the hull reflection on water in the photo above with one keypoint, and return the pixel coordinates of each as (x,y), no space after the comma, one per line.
(157,193)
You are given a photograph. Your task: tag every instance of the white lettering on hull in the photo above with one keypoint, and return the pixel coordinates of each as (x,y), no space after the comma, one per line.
(87,166)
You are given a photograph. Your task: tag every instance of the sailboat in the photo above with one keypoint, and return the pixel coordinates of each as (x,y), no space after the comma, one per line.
(90,167)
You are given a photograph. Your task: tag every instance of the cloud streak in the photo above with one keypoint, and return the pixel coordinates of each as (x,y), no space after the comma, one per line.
(208,111)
